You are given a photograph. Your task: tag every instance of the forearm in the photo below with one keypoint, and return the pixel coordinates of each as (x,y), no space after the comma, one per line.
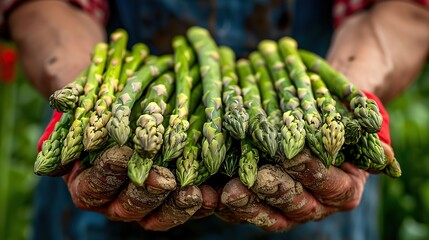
(382,50)
(54,41)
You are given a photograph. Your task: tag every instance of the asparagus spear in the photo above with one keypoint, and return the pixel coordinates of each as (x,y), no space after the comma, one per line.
(118,125)
(235,117)
(202,175)
(393,169)
(332,128)
(372,151)
(270,99)
(175,135)
(149,131)
(352,128)
(213,143)
(73,145)
(138,54)
(66,98)
(264,134)
(365,110)
(138,168)
(48,159)
(248,163)
(187,164)
(230,165)
(95,135)
(313,120)
(292,134)
(141,163)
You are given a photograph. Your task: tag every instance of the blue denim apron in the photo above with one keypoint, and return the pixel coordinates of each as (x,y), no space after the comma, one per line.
(239,24)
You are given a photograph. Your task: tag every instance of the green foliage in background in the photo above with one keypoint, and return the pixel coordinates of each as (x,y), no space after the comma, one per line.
(405,204)
(22,111)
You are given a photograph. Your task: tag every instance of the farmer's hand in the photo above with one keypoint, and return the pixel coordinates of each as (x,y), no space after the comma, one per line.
(54,40)
(380,50)
(159,205)
(104,187)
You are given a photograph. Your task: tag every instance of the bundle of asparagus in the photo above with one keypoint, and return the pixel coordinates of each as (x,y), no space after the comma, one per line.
(203,113)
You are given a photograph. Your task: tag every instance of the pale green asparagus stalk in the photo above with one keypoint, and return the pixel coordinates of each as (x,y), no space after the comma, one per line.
(248,163)
(188,163)
(175,135)
(213,143)
(95,135)
(118,125)
(48,160)
(73,144)
(67,98)
(140,163)
(235,117)
(131,63)
(149,131)
(313,120)
(270,100)
(263,133)
(292,134)
(332,128)
(365,110)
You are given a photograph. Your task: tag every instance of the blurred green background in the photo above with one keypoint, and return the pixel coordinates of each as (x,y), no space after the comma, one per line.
(405,203)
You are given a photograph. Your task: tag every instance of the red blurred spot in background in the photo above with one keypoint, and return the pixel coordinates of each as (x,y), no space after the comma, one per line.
(7,64)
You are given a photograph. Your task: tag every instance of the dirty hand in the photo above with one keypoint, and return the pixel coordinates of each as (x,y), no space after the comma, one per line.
(370,52)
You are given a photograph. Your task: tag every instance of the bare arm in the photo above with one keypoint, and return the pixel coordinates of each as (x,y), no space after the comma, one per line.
(54,41)
(383,50)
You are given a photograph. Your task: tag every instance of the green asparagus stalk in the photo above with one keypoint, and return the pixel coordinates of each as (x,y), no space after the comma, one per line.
(118,125)
(203,175)
(230,165)
(292,134)
(73,144)
(188,163)
(196,97)
(332,128)
(313,120)
(365,110)
(264,134)
(48,159)
(235,117)
(140,164)
(352,128)
(340,159)
(149,132)
(66,98)
(95,135)
(175,135)
(138,168)
(131,63)
(248,163)
(393,169)
(372,151)
(213,143)
(270,100)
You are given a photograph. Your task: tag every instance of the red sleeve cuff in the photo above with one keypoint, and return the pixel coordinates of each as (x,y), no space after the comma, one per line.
(56,116)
